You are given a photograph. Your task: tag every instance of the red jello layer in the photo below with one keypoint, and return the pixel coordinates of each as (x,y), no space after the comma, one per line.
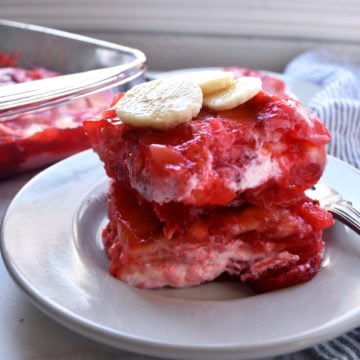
(268,248)
(218,155)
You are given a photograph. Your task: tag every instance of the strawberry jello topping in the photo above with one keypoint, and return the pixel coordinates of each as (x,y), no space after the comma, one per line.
(220,194)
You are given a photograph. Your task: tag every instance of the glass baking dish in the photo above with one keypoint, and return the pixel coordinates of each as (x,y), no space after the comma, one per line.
(36,137)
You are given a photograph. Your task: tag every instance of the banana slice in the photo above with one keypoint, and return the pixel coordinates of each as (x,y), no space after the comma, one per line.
(211,81)
(239,92)
(161,104)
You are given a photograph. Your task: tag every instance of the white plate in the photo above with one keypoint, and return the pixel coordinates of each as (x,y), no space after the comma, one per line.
(303,90)
(52,247)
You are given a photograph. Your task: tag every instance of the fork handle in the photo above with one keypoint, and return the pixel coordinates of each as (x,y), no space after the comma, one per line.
(347,214)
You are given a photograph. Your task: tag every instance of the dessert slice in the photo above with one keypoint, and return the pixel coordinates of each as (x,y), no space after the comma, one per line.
(222,192)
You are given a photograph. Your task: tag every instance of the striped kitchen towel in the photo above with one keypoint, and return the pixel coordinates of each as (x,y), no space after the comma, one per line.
(337,104)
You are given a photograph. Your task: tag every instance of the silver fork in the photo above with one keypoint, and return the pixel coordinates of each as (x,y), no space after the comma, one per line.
(333,202)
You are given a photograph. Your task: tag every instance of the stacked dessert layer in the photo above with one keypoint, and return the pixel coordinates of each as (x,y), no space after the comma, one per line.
(221,193)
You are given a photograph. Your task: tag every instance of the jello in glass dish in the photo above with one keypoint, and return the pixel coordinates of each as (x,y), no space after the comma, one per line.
(35,137)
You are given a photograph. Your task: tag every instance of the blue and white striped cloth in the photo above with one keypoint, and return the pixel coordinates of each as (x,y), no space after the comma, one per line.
(337,104)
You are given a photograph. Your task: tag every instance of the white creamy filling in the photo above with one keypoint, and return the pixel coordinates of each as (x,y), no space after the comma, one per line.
(181,273)
(261,169)
(188,272)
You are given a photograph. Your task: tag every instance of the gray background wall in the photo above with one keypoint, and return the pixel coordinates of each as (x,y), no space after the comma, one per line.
(175,34)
